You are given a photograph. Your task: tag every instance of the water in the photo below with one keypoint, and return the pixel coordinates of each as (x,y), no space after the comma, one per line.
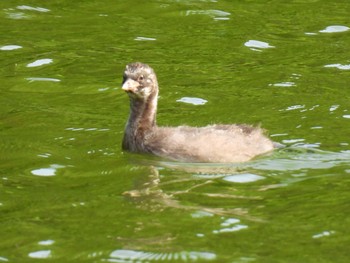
(68,192)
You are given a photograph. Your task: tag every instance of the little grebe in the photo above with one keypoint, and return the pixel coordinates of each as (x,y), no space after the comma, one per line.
(213,143)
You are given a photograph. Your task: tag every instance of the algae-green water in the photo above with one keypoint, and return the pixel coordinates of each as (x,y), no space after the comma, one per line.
(69,194)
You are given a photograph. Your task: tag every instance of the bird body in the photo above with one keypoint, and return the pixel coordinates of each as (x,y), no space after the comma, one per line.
(209,144)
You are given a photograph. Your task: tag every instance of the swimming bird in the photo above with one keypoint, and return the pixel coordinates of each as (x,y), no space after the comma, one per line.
(218,143)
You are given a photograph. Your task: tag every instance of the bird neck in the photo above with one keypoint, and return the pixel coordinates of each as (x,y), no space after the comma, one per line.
(143,114)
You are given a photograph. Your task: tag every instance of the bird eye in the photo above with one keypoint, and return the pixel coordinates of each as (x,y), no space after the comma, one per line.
(141,77)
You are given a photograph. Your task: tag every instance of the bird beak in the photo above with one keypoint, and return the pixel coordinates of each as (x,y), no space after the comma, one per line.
(130,86)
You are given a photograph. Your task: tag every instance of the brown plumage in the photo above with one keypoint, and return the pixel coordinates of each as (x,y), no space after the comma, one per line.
(214,143)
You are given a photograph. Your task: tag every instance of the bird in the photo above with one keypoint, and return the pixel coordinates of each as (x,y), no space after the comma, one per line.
(216,143)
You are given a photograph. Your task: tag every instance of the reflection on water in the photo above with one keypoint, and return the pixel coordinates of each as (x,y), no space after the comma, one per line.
(161,192)
(197,179)
(230,193)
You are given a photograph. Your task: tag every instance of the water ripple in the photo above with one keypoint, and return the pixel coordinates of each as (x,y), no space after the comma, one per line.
(124,255)
(310,159)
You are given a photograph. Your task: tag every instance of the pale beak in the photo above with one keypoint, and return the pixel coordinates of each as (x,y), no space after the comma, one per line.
(130,86)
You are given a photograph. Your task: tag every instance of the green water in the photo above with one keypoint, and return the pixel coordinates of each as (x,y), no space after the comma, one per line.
(68,192)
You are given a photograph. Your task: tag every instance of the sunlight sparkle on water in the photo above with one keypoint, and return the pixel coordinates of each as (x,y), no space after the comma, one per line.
(43,79)
(30,8)
(40,254)
(194,101)
(145,39)
(230,225)
(257,44)
(283,84)
(200,214)
(323,234)
(230,229)
(46,242)
(40,62)
(4,259)
(334,29)
(215,14)
(243,178)
(230,221)
(338,66)
(50,171)
(10,47)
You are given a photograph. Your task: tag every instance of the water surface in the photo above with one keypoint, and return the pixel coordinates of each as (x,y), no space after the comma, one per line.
(68,192)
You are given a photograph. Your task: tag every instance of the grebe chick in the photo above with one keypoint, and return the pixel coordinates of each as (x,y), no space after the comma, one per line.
(209,144)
